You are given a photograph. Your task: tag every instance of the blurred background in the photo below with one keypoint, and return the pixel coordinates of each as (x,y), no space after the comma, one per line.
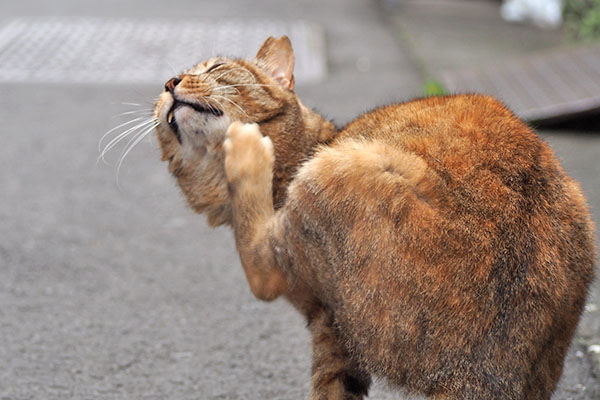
(111,288)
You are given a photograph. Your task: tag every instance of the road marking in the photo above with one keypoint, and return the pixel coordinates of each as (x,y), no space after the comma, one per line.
(97,50)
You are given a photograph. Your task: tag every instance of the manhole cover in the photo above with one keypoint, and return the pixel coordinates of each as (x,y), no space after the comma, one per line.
(93,50)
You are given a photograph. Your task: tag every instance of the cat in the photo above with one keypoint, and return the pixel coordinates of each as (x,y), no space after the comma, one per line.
(437,244)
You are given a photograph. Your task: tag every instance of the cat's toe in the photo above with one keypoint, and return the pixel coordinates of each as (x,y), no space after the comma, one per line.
(248,155)
(267,144)
(238,130)
(227,144)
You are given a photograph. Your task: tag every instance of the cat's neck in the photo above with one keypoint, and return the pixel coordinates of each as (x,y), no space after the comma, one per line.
(316,127)
(296,143)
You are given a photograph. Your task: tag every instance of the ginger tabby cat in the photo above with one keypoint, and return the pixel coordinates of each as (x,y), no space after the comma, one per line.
(437,243)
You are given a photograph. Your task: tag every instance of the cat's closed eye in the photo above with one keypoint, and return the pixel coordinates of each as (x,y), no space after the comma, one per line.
(214,66)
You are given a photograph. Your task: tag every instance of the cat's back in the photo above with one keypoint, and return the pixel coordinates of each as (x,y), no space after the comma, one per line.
(454,135)
(459,155)
(455,155)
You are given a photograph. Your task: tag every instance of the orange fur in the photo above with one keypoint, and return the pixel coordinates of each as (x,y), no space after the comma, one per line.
(436,243)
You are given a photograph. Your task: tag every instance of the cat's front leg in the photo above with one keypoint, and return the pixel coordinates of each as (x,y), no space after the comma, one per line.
(249,168)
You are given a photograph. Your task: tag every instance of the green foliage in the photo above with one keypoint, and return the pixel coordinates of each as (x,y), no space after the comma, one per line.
(434,88)
(582,19)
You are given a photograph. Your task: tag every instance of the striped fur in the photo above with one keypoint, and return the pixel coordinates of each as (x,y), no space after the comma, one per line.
(437,244)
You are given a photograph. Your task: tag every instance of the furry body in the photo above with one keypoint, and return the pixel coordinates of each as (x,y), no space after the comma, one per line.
(436,243)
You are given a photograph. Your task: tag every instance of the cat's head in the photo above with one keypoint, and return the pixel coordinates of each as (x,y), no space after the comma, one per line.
(197,106)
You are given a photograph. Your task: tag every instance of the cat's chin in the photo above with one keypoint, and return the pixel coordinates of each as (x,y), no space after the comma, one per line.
(198,129)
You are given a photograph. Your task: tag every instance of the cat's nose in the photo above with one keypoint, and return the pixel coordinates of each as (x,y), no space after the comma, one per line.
(171,83)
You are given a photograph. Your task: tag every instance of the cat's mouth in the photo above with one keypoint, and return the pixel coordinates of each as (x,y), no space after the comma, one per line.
(201,108)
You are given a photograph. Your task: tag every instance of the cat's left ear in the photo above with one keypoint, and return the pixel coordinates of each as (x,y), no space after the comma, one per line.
(277,57)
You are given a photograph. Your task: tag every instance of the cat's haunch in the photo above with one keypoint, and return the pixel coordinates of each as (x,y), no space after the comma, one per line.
(437,243)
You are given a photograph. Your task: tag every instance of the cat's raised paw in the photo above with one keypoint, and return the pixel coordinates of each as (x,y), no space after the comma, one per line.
(248,154)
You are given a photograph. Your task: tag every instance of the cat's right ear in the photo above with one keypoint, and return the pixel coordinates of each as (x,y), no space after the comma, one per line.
(277,57)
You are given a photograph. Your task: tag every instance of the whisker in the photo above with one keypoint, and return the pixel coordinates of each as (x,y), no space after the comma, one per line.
(128,132)
(115,128)
(227,87)
(123,135)
(173,70)
(135,112)
(134,142)
(235,69)
(134,139)
(235,86)
(252,84)
(232,102)
(209,99)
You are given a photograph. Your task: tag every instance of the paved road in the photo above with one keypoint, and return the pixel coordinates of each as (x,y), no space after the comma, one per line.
(121,292)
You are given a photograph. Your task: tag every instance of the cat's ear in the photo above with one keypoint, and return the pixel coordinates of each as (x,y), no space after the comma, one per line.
(277,57)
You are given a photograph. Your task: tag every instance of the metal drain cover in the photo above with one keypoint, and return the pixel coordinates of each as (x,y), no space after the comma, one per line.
(540,87)
(94,50)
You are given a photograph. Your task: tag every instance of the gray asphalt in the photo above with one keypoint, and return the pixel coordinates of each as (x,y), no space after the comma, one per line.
(120,291)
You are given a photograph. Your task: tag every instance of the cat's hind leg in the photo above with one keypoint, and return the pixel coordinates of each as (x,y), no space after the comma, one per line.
(249,169)
(334,375)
